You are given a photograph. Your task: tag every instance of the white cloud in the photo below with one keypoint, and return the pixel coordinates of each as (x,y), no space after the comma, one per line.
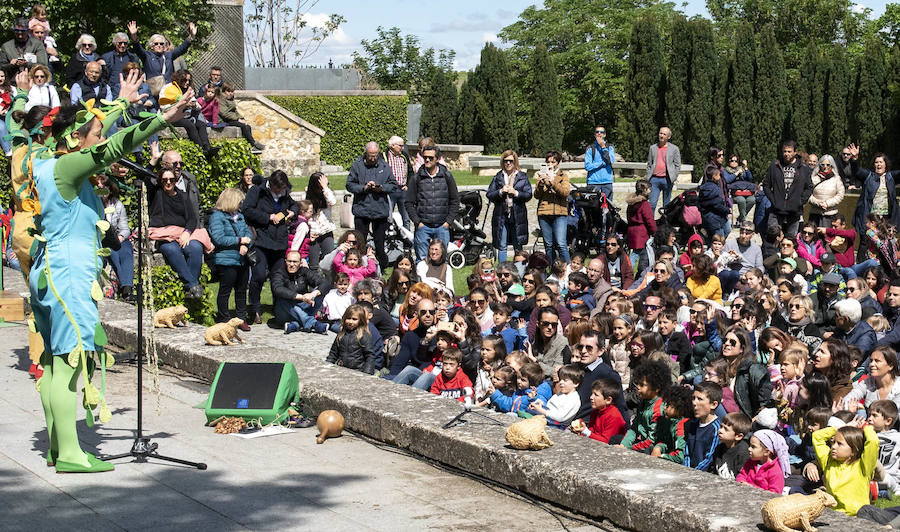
(318,20)
(859,9)
(488,37)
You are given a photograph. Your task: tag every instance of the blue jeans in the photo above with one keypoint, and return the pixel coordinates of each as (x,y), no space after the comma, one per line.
(4,144)
(304,314)
(123,263)
(413,376)
(729,279)
(861,268)
(185,261)
(424,235)
(606,188)
(399,199)
(507,232)
(660,185)
(553,229)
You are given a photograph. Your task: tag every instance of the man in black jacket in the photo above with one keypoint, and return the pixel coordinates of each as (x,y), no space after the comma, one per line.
(371,182)
(296,289)
(788,186)
(432,201)
(590,350)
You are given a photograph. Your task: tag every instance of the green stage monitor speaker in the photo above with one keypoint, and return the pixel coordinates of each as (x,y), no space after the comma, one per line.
(253,390)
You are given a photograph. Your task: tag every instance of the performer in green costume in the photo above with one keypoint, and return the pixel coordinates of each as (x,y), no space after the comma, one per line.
(63,280)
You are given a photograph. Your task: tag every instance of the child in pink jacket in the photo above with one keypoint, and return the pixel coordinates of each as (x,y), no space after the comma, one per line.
(349,263)
(769,462)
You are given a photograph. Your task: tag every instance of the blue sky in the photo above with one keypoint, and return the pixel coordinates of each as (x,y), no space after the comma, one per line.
(462,25)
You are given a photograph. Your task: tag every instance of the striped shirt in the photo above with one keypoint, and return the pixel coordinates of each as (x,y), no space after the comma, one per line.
(398,167)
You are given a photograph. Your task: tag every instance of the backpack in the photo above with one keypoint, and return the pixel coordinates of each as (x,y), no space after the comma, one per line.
(690,213)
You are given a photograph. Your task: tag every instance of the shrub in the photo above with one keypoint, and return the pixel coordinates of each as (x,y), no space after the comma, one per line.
(5,181)
(349,121)
(168,291)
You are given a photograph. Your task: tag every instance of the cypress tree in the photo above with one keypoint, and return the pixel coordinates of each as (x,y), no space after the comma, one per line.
(465,116)
(740,93)
(495,115)
(892,104)
(439,108)
(720,105)
(804,129)
(769,101)
(837,90)
(677,80)
(545,125)
(817,104)
(870,99)
(642,107)
(704,67)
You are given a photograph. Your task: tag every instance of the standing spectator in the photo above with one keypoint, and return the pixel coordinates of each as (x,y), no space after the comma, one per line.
(268,209)
(552,193)
(715,156)
(598,161)
(193,124)
(663,167)
(432,201)
(229,114)
(116,59)
(158,62)
(827,193)
(371,181)
(23,51)
(509,191)
(91,86)
(788,187)
(641,225)
(402,168)
(740,185)
(423,143)
(85,52)
(41,32)
(321,228)
(232,238)
(878,195)
(42,92)
(845,171)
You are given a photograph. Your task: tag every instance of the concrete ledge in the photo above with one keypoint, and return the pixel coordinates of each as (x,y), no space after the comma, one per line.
(246,94)
(631,490)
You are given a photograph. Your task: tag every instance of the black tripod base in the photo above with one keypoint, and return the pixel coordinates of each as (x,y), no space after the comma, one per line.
(143,449)
(460,419)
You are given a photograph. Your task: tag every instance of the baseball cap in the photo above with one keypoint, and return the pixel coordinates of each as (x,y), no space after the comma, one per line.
(828,257)
(789,260)
(831,278)
(516,290)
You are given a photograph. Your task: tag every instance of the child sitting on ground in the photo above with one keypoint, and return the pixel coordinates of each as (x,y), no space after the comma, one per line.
(793,361)
(670,442)
(502,313)
(451,382)
(336,302)
(353,346)
(580,291)
(650,378)
(848,464)
(298,230)
(493,351)
(733,450)
(562,407)
(229,114)
(503,380)
(768,464)
(530,386)
(349,262)
(882,417)
(702,432)
(605,423)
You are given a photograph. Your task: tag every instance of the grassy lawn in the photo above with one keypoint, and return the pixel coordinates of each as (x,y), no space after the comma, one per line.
(338,182)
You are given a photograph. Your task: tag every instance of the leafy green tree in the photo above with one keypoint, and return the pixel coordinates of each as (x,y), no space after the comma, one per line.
(720,110)
(678,80)
(703,70)
(545,127)
(71,18)
(495,125)
(837,93)
(465,116)
(769,101)
(642,110)
(808,102)
(396,62)
(740,95)
(439,108)
(870,99)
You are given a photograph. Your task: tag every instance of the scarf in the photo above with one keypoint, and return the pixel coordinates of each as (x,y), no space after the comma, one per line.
(775,443)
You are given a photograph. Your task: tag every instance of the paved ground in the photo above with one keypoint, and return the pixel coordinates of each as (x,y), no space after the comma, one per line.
(278,482)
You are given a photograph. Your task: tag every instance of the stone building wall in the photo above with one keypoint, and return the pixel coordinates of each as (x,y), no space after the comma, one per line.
(292,144)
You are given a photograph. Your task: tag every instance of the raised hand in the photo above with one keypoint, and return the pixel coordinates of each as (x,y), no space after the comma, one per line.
(23,81)
(130,85)
(192,29)
(854,150)
(132,28)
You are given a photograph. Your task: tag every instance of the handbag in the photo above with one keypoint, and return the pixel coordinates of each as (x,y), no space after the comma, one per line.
(252,257)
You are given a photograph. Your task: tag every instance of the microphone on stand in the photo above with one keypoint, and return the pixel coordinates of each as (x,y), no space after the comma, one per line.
(136,168)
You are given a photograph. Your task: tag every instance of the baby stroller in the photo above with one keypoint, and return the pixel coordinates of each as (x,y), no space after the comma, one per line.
(683,214)
(398,239)
(593,217)
(467,239)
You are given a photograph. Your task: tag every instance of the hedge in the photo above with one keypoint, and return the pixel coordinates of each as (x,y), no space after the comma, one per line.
(168,291)
(349,121)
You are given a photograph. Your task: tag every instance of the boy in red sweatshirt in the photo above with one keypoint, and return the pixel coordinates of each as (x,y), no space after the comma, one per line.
(606,421)
(451,382)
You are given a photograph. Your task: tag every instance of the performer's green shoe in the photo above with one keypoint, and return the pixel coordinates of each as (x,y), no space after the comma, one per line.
(97,466)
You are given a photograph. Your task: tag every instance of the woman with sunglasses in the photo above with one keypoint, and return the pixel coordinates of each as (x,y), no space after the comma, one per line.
(828,192)
(158,61)
(509,191)
(85,52)
(749,380)
(740,185)
(550,347)
(531,282)
(398,284)
(810,244)
(799,322)
(42,92)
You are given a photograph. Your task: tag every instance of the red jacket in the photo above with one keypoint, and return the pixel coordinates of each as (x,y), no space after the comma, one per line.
(606,423)
(459,387)
(641,224)
(847,258)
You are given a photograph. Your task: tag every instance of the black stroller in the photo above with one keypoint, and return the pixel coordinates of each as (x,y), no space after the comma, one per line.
(682,214)
(593,217)
(468,239)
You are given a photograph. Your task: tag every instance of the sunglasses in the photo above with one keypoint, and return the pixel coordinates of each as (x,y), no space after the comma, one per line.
(660,270)
(747,231)
(808,233)
(508,161)
(693,311)
(478,301)
(652,307)
(614,244)
(426,311)
(599,131)
(528,281)
(737,305)
(582,347)
(796,306)
(168,180)
(157,44)
(487,270)
(403,283)
(851,289)
(545,323)
(429,157)
(732,342)
(733,160)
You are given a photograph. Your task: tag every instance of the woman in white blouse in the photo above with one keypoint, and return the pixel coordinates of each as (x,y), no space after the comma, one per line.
(42,92)
(321,228)
(882,382)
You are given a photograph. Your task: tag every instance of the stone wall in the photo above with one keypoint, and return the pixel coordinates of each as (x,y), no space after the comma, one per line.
(456,155)
(292,144)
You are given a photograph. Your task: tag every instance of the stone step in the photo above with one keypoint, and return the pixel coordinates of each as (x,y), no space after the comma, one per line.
(331,169)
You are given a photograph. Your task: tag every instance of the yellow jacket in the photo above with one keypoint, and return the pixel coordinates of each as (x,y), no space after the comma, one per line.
(847,482)
(711,289)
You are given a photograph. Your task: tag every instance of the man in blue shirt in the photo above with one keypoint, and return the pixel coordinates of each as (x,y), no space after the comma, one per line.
(598,162)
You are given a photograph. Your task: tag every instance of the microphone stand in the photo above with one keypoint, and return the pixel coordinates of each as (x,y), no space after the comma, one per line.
(142,448)
(459,419)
